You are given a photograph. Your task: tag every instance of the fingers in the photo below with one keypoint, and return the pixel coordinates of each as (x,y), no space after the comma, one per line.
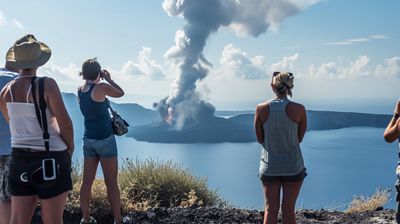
(397,109)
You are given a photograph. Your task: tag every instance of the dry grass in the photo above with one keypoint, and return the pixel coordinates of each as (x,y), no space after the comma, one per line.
(361,203)
(164,184)
(147,184)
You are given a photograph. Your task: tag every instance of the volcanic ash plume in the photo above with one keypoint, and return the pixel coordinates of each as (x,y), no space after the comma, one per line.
(183,107)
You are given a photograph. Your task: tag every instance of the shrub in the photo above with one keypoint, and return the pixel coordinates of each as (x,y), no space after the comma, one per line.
(377,200)
(147,184)
(164,184)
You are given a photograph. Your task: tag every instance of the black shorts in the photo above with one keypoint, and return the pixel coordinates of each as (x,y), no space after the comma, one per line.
(294,178)
(23,161)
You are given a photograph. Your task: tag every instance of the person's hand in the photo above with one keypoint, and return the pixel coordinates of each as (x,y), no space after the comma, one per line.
(397,108)
(106,75)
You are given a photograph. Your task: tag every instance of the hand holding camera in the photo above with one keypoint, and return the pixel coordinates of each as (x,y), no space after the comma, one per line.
(104,74)
(396,112)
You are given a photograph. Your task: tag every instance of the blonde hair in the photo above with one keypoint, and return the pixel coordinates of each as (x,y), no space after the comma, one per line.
(282,81)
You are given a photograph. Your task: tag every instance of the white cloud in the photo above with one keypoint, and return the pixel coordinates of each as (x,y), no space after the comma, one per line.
(144,66)
(391,68)
(3,19)
(360,40)
(67,76)
(361,67)
(287,63)
(18,24)
(238,64)
(15,23)
(234,62)
(380,37)
(69,73)
(327,70)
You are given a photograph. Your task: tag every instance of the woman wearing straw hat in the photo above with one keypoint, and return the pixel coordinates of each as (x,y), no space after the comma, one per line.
(280,125)
(40,168)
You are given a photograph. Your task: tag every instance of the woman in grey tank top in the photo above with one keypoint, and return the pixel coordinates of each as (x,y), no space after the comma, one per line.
(280,125)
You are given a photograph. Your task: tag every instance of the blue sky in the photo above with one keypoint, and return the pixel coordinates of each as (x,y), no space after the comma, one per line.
(338,49)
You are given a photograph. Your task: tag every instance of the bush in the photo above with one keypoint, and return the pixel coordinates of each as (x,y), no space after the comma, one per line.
(361,203)
(147,184)
(164,184)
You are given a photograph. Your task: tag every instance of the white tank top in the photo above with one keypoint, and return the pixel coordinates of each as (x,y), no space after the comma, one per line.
(25,129)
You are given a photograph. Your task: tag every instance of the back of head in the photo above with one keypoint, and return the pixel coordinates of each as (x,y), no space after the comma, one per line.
(90,69)
(282,82)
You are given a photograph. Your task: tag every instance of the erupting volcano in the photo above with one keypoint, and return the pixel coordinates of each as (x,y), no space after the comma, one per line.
(183,109)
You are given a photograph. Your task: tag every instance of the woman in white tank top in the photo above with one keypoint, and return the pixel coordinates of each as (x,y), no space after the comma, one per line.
(28,143)
(280,125)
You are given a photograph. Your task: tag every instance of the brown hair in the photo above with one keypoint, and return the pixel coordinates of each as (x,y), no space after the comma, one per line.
(90,69)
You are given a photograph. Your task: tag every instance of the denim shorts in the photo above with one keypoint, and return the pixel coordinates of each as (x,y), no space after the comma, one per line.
(100,148)
(5,194)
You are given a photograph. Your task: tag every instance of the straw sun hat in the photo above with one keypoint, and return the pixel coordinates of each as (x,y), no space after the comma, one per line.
(27,52)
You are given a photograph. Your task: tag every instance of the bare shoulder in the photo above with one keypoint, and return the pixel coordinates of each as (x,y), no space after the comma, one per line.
(50,82)
(296,107)
(102,86)
(262,106)
(262,111)
(5,91)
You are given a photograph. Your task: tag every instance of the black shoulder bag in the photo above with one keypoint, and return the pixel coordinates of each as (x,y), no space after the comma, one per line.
(119,125)
(46,175)
(41,111)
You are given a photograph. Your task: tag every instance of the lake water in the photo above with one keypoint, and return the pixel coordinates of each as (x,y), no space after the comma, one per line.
(340,163)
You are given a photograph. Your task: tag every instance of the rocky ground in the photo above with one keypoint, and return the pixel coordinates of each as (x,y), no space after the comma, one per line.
(231,216)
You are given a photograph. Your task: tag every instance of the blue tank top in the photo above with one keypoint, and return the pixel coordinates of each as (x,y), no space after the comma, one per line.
(96,116)
(5,144)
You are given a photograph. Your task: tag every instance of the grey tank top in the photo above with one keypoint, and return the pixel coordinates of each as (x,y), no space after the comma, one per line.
(281,154)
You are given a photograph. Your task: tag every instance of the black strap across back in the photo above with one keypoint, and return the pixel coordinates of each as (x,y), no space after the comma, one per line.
(41,110)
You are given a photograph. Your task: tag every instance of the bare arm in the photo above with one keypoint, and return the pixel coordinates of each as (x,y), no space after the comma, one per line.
(302,124)
(113,89)
(392,130)
(392,133)
(258,125)
(57,107)
(3,101)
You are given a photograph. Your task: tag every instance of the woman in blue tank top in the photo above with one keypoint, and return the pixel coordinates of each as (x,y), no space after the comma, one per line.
(280,126)
(98,140)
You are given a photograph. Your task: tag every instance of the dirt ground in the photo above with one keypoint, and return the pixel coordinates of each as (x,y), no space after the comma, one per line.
(236,216)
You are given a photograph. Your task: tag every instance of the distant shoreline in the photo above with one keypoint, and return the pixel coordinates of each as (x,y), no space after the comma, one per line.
(226,126)
(239,128)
